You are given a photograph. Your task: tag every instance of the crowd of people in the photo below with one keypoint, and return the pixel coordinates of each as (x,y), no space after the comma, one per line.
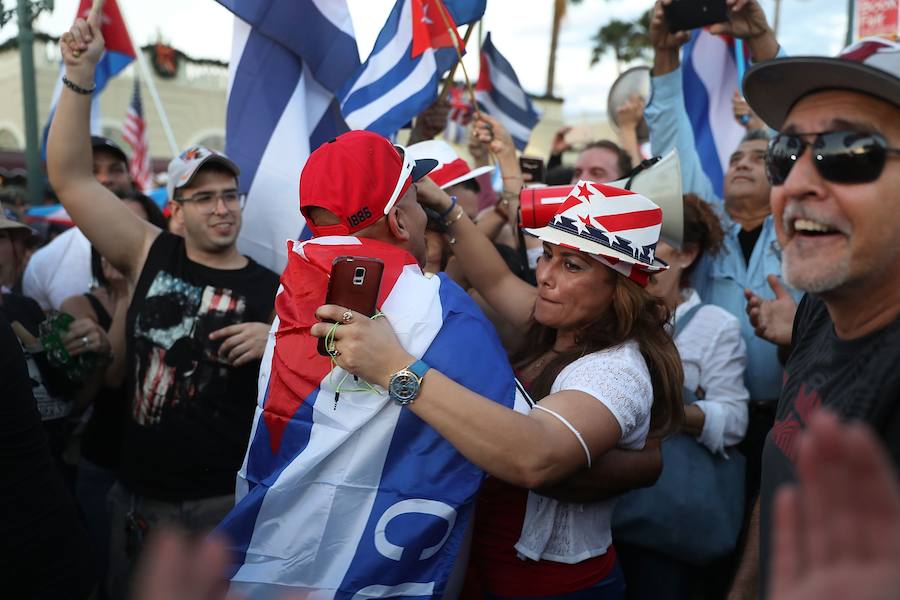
(596,407)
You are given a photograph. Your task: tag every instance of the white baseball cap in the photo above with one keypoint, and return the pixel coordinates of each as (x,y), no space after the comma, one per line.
(451,168)
(183,167)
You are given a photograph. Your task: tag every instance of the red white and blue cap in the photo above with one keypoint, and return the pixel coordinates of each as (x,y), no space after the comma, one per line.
(451,168)
(871,66)
(617,227)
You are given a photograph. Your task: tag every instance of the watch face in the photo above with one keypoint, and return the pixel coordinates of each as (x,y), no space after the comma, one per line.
(404,386)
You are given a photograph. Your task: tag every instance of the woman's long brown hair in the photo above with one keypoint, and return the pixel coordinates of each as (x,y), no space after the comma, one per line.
(633,314)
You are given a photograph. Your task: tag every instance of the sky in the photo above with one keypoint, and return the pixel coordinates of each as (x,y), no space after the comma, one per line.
(520,29)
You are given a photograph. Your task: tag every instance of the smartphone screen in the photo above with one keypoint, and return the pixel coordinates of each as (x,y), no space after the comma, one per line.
(685,15)
(355,283)
(532,168)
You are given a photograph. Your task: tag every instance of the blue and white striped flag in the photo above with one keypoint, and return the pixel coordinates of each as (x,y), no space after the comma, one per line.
(349,495)
(289,57)
(500,95)
(710,78)
(400,78)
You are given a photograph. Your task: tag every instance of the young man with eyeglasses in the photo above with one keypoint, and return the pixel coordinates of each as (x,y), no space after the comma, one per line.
(195,331)
(835,172)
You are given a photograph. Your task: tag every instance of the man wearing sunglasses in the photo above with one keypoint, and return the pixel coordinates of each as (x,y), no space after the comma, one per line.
(835,172)
(196,327)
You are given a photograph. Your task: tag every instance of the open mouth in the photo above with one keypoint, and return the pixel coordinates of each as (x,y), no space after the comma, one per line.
(814,229)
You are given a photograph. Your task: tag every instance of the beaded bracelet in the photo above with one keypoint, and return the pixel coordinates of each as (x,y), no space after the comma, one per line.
(77,88)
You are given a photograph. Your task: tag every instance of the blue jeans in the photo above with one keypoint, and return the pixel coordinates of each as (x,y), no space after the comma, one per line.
(611,587)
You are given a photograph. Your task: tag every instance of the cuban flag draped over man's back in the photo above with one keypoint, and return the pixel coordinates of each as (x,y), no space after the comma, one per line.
(358,498)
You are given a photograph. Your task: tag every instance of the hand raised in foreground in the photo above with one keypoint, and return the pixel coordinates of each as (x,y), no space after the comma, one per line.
(837,533)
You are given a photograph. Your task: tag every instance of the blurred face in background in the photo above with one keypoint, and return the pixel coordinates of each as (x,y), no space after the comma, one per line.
(598,165)
(12,256)
(111,171)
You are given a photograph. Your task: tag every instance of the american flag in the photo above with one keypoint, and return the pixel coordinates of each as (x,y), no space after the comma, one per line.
(134,131)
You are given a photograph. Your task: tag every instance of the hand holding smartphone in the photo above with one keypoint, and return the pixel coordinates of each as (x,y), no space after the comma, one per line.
(354,283)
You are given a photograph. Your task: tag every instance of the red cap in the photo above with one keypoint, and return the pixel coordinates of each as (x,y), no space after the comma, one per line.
(358,176)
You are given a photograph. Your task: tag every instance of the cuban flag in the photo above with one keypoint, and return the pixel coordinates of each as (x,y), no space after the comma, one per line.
(500,95)
(54,214)
(413,50)
(710,79)
(118,55)
(461,113)
(350,495)
(288,59)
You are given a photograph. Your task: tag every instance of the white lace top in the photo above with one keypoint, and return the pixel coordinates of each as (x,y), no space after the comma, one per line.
(570,532)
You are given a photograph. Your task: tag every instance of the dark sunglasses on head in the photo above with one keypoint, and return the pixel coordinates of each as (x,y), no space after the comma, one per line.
(839,156)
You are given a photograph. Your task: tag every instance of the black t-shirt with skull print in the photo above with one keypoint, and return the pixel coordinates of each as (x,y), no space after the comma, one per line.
(190,413)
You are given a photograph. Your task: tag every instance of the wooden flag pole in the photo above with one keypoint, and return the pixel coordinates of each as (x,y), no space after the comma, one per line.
(449,83)
(455,37)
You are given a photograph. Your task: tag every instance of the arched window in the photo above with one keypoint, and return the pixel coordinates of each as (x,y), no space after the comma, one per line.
(9,140)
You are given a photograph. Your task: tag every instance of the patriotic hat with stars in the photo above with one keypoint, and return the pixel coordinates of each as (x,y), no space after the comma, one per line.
(617,227)
(871,66)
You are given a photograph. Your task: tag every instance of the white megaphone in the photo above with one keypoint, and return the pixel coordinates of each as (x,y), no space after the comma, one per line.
(660,181)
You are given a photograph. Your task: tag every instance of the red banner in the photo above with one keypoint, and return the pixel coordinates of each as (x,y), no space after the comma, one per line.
(876,17)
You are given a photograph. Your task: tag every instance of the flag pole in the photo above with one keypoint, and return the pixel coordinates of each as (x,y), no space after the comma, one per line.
(449,83)
(151,87)
(455,37)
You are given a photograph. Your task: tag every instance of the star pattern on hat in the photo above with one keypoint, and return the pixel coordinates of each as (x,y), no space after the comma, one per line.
(617,219)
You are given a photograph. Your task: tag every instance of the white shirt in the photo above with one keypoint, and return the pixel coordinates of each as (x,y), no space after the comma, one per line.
(570,532)
(59,270)
(714,357)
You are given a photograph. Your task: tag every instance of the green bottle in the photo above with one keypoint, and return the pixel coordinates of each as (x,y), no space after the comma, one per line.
(52,330)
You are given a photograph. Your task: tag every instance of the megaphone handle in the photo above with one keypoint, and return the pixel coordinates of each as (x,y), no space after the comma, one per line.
(645,164)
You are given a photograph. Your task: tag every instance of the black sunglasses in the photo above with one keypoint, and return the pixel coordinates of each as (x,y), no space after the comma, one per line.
(839,156)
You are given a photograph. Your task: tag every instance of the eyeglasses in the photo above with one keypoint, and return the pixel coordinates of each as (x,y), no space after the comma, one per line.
(839,156)
(206,202)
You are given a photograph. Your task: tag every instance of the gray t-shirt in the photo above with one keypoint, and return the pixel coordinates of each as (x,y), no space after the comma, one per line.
(857,379)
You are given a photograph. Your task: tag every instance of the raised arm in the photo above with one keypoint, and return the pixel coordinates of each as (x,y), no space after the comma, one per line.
(666,114)
(121,236)
(482,265)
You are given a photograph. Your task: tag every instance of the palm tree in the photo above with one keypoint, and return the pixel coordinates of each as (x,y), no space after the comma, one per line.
(559,11)
(627,40)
